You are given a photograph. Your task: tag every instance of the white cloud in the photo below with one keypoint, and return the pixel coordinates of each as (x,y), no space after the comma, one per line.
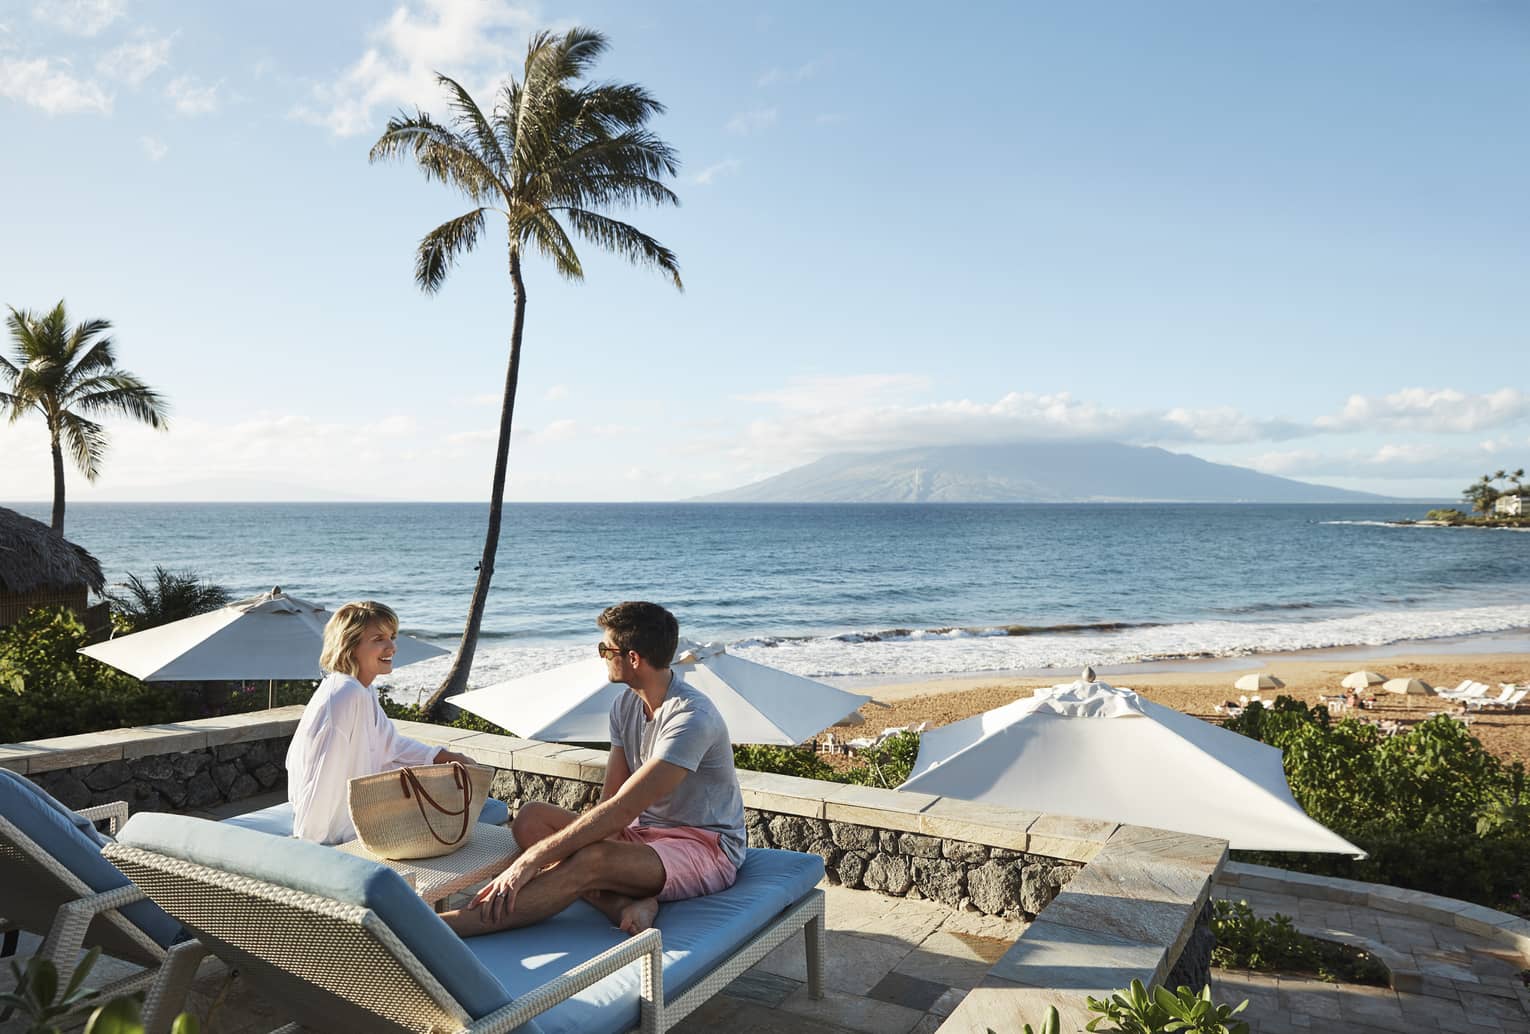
(706,176)
(1440,410)
(556,393)
(824,416)
(154,147)
(191,96)
(80,17)
(1398,460)
(52,87)
(747,122)
(475,41)
(799,74)
(135,61)
(557,431)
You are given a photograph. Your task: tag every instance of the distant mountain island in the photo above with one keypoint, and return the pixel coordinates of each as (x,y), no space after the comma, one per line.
(1029,472)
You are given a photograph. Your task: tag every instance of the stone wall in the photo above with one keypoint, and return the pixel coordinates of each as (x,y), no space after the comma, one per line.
(958,873)
(1193,969)
(185,781)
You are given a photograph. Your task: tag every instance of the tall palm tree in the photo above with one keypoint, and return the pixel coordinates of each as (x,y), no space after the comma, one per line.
(69,375)
(552,152)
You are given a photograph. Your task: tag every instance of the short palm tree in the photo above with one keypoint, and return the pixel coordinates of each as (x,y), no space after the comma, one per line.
(68,375)
(169,596)
(552,152)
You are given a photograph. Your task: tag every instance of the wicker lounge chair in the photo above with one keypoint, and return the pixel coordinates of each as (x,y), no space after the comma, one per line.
(346,945)
(54,883)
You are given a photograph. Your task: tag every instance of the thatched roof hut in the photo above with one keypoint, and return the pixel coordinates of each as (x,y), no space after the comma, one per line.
(41,568)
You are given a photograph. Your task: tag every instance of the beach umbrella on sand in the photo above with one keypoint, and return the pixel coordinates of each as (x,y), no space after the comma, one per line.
(1362,680)
(1092,750)
(572,704)
(1253,683)
(1412,687)
(270,636)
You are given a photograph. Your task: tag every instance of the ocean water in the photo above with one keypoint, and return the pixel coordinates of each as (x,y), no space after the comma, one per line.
(834,590)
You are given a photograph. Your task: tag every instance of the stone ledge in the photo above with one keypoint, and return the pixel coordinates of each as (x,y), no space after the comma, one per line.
(1417,904)
(1054,836)
(1126,916)
(92,748)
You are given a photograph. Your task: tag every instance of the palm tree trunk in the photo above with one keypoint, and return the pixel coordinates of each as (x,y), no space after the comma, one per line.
(58,486)
(456,679)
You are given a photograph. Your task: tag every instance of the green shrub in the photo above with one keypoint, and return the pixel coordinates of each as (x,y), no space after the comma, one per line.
(1435,810)
(50,689)
(792,761)
(1135,1010)
(1247,941)
(888,764)
(1449,515)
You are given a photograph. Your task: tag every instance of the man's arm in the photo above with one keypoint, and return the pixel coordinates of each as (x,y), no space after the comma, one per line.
(617,772)
(655,780)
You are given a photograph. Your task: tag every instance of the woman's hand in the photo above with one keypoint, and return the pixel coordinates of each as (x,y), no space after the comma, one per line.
(446,757)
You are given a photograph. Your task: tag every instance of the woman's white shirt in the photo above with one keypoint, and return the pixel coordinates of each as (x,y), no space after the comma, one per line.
(344,733)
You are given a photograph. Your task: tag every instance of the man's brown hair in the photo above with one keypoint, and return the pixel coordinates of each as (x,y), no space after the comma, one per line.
(647,628)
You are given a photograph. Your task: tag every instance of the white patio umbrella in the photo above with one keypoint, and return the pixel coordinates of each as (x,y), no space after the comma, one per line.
(1412,687)
(1092,750)
(1362,680)
(572,703)
(1252,683)
(270,636)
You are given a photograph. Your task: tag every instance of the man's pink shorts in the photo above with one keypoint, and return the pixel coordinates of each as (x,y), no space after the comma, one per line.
(694,863)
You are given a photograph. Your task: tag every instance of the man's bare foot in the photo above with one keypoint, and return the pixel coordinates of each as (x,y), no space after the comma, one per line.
(639,915)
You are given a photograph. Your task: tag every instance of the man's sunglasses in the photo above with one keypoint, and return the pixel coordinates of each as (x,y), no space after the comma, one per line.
(606,650)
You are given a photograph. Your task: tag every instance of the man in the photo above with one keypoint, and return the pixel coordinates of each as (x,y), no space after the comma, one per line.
(670,822)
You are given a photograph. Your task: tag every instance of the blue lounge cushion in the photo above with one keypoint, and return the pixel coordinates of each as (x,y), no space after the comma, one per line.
(698,934)
(72,841)
(324,871)
(277,819)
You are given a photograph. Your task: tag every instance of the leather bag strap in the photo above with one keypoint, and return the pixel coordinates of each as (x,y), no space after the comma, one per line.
(412,788)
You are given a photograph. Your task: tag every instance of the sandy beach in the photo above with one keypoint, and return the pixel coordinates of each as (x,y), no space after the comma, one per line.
(1197,690)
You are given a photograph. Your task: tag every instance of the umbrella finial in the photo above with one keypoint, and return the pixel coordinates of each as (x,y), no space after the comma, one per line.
(1088,675)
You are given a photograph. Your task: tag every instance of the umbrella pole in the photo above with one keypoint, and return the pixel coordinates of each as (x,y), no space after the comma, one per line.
(270,694)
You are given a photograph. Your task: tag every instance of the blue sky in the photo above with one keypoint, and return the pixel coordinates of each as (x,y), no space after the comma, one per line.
(1287,235)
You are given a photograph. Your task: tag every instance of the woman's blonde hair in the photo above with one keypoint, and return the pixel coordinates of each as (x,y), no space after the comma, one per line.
(345,629)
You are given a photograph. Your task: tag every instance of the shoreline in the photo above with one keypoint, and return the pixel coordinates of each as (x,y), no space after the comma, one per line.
(1497,648)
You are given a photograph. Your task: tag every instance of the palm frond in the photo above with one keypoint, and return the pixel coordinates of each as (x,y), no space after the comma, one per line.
(539,228)
(86,441)
(99,356)
(578,50)
(441,246)
(121,392)
(440,153)
(614,107)
(470,120)
(626,240)
(172,596)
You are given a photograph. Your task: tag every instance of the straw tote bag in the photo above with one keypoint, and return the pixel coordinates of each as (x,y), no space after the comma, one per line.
(419,812)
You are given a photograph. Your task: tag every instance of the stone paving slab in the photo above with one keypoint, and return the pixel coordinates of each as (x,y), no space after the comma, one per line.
(1446,978)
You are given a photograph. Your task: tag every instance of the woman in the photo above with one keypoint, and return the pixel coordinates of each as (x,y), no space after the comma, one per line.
(344,732)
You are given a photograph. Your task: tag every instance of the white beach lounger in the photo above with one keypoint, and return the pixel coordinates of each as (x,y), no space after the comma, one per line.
(1500,700)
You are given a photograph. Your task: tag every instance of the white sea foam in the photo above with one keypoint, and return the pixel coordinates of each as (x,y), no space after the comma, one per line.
(950,651)
(1407,524)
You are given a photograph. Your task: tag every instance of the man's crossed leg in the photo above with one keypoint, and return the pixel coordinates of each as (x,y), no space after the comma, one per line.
(620,878)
